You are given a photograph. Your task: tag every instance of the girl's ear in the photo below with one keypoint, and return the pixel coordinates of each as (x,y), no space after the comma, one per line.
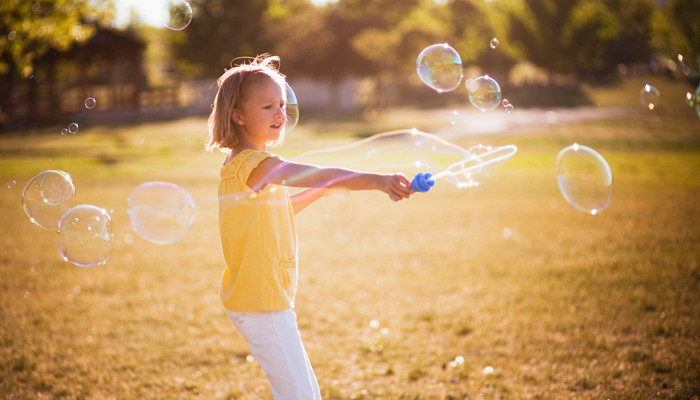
(236,117)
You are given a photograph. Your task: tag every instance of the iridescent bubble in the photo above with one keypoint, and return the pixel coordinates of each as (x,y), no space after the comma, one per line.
(176,14)
(494,43)
(292,109)
(11,184)
(47,196)
(585,179)
(694,100)
(411,152)
(649,97)
(507,106)
(85,236)
(73,128)
(161,212)
(64,131)
(90,103)
(440,67)
(484,93)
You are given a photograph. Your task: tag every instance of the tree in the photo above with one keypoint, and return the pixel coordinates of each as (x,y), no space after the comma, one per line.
(633,41)
(678,31)
(563,36)
(220,31)
(29,29)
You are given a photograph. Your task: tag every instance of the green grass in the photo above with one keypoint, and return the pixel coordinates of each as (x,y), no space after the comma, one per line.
(562,304)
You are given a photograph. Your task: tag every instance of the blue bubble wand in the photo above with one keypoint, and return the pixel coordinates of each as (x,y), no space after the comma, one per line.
(474,168)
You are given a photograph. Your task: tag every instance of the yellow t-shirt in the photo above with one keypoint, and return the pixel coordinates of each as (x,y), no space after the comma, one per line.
(258,239)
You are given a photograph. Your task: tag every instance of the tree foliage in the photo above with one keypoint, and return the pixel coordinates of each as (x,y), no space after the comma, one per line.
(563,36)
(28,29)
(220,31)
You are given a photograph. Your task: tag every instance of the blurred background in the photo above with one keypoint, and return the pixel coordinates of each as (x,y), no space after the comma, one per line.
(343,56)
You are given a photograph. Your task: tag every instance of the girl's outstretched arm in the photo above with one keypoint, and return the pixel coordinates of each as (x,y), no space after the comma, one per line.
(282,172)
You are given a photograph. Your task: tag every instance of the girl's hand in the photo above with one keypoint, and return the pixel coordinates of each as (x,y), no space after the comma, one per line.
(397,186)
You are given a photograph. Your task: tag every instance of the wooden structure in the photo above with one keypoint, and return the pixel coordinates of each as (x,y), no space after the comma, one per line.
(109,67)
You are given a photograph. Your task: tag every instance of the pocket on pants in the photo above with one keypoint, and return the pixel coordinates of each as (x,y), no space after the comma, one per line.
(287,274)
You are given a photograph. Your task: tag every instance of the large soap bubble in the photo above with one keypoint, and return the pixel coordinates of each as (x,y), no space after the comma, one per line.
(292,109)
(85,236)
(484,92)
(176,14)
(411,152)
(47,196)
(585,179)
(440,67)
(161,212)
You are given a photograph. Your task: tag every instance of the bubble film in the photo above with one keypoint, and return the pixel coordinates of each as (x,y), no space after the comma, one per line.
(292,108)
(649,97)
(176,14)
(484,93)
(85,236)
(47,196)
(161,212)
(585,179)
(440,67)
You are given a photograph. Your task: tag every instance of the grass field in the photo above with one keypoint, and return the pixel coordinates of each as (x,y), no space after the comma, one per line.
(498,292)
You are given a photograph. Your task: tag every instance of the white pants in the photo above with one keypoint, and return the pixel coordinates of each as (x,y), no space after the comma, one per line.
(275,342)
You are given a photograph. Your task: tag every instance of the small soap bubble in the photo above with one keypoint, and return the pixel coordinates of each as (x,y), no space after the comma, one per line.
(374,324)
(585,179)
(90,103)
(64,131)
(47,196)
(694,100)
(73,128)
(484,93)
(292,107)
(176,14)
(440,67)
(507,106)
(488,370)
(161,212)
(11,184)
(494,43)
(649,97)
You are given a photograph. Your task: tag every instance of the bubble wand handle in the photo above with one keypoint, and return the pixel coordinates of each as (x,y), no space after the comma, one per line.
(422,182)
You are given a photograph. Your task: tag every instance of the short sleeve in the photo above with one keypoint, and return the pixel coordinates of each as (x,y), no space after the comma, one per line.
(243,164)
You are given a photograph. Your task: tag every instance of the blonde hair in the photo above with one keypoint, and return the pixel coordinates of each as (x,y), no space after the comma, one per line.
(233,88)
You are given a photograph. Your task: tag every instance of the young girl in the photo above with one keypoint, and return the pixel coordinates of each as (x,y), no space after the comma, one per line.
(256,220)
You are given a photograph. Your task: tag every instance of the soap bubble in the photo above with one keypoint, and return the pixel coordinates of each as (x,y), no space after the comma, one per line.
(161,212)
(47,196)
(408,151)
(64,131)
(494,43)
(585,179)
(484,93)
(11,184)
(440,67)
(73,128)
(90,103)
(411,151)
(694,100)
(176,14)
(649,96)
(507,106)
(85,236)
(292,109)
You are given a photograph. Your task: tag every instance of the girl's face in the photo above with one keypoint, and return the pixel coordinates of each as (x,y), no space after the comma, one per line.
(262,114)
